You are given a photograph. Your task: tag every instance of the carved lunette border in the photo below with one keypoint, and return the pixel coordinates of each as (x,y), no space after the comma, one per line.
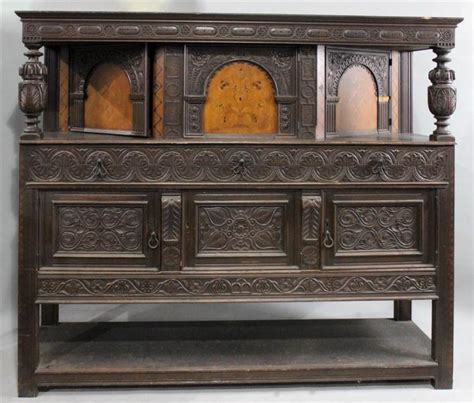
(401,32)
(234,287)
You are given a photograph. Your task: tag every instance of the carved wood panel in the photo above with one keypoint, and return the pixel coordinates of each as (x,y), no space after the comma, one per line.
(171,207)
(383,228)
(97,230)
(173,91)
(262,164)
(240,229)
(377,228)
(311,231)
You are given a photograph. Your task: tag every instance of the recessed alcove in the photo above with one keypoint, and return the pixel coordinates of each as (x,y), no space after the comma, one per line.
(107,102)
(356,111)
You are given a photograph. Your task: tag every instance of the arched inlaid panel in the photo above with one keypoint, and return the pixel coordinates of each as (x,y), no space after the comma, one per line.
(357,91)
(240,100)
(356,110)
(107,102)
(110,79)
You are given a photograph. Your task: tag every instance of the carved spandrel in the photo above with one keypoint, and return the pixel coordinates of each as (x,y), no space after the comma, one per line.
(442,95)
(32,91)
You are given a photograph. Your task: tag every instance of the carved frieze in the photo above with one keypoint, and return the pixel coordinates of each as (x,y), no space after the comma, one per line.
(228,286)
(238,31)
(262,164)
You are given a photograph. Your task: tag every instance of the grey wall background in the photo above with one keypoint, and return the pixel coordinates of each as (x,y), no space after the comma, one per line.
(11,124)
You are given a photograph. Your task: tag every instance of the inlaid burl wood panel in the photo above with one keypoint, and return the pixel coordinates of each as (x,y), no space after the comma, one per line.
(82,229)
(109,89)
(158,88)
(240,100)
(240,229)
(108,104)
(379,228)
(63,96)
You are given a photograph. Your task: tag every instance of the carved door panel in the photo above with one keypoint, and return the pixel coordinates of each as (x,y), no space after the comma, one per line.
(100,230)
(381,229)
(241,230)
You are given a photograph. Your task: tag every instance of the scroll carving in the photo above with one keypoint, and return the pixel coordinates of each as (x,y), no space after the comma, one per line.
(376,228)
(240,228)
(221,286)
(171,232)
(32,91)
(441,95)
(216,164)
(99,229)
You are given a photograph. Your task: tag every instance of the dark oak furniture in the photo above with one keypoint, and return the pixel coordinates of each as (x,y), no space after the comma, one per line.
(219,158)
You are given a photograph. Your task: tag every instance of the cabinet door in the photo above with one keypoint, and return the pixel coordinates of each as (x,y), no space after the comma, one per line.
(238,230)
(380,228)
(112,230)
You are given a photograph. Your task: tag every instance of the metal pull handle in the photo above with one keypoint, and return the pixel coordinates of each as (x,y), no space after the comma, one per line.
(99,169)
(240,168)
(328,241)
(153,241)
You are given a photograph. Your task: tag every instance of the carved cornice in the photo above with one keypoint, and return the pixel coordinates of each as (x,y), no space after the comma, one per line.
(191,285)
(405,32)
(272,164)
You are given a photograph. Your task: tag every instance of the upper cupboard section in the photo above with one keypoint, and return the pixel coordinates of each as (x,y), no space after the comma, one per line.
(226,91)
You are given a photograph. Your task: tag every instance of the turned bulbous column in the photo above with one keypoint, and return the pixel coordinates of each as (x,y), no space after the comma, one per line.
(441,95)
(32,91)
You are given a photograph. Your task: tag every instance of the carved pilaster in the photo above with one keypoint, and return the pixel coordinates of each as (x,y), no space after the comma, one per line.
(441,95)
(32,91)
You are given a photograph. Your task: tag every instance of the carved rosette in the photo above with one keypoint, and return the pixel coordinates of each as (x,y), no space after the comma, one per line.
(442,95)
(32,91)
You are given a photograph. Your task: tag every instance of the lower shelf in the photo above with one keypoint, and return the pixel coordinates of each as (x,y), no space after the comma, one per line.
(104,354)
